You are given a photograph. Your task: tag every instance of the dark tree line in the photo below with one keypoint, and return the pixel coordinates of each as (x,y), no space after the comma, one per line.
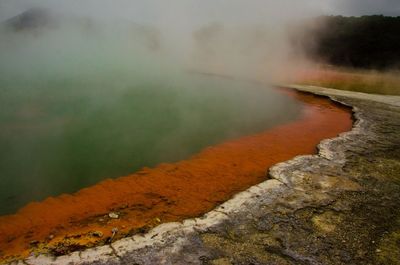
(362,42)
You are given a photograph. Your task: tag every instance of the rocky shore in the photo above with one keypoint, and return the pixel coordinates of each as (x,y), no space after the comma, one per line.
(338,207)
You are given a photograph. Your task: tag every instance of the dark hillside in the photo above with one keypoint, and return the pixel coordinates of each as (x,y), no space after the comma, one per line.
(361,42)
(31,19)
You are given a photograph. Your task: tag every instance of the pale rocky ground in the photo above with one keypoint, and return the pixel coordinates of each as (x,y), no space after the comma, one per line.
(338,207)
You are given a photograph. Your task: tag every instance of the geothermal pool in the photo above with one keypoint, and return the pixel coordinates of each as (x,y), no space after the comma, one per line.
(167,192)
(80,107)
(58,135)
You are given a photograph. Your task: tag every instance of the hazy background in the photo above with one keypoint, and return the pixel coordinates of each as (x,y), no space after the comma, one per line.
(155,11)
(236,37)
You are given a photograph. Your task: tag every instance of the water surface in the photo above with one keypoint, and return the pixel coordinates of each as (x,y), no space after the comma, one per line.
(59,135)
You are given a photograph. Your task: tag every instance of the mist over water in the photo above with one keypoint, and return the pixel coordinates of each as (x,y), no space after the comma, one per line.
(60,136)
(94,89)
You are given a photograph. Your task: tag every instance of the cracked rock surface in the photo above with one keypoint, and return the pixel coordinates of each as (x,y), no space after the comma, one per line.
(338,207)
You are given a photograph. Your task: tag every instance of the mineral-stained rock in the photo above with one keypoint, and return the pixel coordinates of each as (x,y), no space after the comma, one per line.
(113,215)
(97,234)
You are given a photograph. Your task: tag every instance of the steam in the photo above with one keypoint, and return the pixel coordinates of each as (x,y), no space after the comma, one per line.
(229,37)
(234,37)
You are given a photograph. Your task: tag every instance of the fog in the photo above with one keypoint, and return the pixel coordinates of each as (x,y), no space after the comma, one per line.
(251,38)
(82,80)
(234,37)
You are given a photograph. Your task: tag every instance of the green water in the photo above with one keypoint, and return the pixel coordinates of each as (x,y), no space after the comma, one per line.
(74,111)
(69,135)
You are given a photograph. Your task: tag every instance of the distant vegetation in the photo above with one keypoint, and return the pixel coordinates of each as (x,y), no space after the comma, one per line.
(370,42)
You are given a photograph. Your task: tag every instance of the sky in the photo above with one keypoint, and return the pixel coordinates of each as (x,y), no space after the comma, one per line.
(366,7)
(198,11)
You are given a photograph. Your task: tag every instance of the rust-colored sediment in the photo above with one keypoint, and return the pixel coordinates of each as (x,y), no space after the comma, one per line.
(168,192)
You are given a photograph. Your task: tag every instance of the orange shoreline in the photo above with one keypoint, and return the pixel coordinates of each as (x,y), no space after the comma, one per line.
(168,192)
